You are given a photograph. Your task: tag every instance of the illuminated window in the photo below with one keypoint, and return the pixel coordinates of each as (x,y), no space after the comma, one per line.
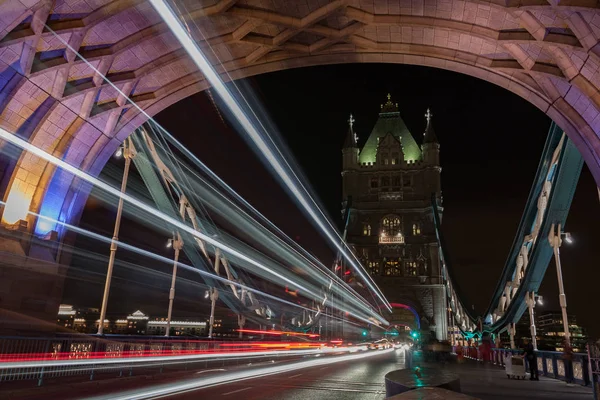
(367,230)
(373,267)
(416,229)
(385,161)
(391,225)
(393,161)
(410,268)
(392,268)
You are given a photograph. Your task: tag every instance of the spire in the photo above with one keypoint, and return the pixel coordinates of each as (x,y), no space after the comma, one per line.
(429,132)
(389,107)
(351,138)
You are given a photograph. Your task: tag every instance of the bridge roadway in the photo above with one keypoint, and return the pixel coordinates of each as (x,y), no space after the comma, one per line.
(359,379)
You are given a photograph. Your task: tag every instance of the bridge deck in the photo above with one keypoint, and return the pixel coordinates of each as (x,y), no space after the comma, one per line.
(490,383)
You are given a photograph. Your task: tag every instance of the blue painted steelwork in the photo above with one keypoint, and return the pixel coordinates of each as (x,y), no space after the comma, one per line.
(557,174)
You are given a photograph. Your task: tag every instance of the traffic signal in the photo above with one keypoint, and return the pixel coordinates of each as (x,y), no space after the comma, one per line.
(364,332)
(415,335)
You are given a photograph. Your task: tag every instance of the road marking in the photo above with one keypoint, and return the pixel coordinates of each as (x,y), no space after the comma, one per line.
(294,376)
(236,391)
(211,370)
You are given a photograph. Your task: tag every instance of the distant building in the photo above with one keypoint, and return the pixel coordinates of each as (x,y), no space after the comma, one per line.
(551,332)
(85,320)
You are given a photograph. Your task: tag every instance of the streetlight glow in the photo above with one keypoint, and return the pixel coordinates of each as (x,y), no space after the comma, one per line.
(568,238)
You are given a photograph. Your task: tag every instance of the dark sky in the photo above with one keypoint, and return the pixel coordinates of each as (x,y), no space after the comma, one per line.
(491,141)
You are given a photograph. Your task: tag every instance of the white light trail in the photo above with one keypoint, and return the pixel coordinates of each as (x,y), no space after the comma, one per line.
(292,183)
(230,377)
(147,208)
(356,264)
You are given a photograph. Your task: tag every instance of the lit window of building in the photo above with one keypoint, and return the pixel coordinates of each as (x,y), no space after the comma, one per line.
(367,230)
(410,268)
(416,228)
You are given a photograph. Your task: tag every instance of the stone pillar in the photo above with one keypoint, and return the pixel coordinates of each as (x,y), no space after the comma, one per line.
(440,312)
(31,283)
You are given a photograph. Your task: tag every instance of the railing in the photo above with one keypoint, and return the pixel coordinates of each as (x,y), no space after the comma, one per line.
(41,358)
(550,363)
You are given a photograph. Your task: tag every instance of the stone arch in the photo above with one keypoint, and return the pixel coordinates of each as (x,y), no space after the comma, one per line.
(547,54)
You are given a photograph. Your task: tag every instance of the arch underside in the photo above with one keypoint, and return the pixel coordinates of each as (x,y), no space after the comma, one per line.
(545,52)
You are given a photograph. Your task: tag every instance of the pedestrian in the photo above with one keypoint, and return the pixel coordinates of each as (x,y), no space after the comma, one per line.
(568,362)
(531,357)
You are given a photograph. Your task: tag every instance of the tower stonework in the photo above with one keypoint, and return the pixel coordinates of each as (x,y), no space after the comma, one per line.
(390,182)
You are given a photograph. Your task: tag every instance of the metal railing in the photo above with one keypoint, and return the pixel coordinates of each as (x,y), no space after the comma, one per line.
(550,363)
(56,357)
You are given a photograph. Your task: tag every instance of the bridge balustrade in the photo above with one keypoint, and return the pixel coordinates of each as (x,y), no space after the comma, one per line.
(88,348)
(550,363)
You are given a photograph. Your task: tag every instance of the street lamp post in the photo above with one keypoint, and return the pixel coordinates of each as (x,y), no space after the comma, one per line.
(177,245)
(555,238)
(128,152)
(213,293)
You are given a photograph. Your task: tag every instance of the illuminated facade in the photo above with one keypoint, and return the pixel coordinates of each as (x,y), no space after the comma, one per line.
(550,332)
(389,184)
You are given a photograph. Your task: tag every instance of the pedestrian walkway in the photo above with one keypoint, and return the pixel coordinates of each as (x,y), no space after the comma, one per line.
(490,383)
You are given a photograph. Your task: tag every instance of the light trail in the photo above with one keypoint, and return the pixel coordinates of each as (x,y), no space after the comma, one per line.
(160,391)
(169,261)
(277,163)
(356,265)
(81,362)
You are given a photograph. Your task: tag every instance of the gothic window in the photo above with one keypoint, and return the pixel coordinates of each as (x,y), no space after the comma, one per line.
(397,181)
(410,268)
(374,182)
(385,161)
(367,230)
(385,181)
(392,268)
(416,229)
(394,158)
(393,161)
(373,267)
(391,225)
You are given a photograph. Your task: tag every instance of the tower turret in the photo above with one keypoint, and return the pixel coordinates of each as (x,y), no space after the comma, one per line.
(350,149)
(431,146)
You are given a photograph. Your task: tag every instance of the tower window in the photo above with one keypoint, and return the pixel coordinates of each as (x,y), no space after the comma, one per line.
(374,183)
(385,161)
(374,267)
(416,229)
(392,268)
(385,181)
(367,230)
(391,225)
(410,268)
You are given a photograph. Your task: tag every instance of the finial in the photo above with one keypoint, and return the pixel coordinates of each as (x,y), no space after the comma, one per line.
(389,97)
(428,115)
(351,121)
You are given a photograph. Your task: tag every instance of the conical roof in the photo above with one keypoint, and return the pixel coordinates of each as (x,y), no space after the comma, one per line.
(390,122)
(429,132)
(350,140)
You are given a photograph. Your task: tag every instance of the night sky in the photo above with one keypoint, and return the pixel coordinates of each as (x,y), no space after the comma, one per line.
(491,141)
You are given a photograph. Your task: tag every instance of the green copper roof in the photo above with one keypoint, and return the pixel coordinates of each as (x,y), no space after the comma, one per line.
(390,122)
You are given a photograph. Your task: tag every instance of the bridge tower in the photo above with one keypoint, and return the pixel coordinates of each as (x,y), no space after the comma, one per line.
(391,181)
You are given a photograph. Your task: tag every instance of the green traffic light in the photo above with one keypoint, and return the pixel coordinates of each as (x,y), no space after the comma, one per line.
(364,333)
